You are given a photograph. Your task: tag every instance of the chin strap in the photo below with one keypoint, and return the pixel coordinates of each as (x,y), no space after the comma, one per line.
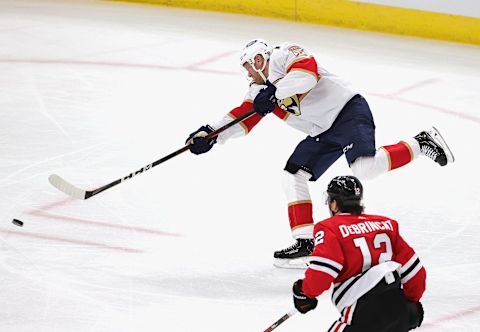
(260,71)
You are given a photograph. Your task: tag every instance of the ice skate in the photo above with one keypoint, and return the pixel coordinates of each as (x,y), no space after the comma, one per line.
(295,256)
(434,147)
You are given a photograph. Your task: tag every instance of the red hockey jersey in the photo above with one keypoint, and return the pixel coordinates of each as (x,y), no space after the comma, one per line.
(354,252)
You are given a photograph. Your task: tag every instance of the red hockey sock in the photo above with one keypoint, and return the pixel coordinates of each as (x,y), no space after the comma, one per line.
(398,155)
(300,214)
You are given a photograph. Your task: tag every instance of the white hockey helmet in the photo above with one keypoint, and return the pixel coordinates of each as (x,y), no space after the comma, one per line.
(254,47)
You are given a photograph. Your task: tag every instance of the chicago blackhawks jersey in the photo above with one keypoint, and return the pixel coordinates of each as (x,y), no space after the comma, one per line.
(295,72)
(354,252)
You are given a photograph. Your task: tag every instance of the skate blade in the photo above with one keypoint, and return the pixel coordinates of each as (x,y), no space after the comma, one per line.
(440,140)
(296,263)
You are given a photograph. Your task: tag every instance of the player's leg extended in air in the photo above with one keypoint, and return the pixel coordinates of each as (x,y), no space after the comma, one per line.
(352,134)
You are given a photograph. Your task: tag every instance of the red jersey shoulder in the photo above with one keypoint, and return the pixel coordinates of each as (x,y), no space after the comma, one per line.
(321,227)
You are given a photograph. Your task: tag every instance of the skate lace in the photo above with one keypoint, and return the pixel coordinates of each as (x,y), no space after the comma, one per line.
(292,247)
(429,152)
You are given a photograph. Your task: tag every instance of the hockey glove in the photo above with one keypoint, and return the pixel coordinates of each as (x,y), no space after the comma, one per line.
(198,144)
(302,302)
(265,100)
(415,314)
(290,104)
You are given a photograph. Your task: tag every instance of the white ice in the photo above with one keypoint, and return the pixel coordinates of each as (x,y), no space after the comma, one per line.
(94,90)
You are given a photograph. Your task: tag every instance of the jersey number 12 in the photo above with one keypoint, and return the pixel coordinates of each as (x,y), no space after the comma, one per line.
(380,238)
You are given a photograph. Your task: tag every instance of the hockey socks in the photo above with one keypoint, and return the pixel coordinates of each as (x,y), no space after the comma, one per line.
(301,220)
(401,153)
(299,204)
(386,158)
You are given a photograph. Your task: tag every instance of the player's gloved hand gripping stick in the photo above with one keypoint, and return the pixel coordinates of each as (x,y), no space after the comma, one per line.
(75,192)
(265,100)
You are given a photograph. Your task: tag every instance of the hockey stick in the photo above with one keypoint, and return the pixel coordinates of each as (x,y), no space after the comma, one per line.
(75,192)
(281,320)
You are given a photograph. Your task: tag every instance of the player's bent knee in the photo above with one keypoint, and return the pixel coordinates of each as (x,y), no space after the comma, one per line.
(297,169)
(291,168)
(299,177)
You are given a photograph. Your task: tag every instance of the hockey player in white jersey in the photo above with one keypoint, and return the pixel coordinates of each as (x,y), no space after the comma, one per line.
(288,82)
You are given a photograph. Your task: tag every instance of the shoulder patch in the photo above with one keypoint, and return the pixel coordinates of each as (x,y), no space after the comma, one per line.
(297,50)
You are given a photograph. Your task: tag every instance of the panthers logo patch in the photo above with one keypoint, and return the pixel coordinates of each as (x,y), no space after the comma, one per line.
(290,104)
(297,50)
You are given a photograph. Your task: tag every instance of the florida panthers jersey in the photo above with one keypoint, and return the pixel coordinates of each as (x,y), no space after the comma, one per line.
(294,71)
(354,252)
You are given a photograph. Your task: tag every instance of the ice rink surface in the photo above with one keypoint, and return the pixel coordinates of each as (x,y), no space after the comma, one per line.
(95,90)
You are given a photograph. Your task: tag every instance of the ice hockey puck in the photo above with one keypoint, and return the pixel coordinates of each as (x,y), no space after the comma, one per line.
(17,222)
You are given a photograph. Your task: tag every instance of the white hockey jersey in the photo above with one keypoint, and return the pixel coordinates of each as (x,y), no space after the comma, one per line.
(294,71)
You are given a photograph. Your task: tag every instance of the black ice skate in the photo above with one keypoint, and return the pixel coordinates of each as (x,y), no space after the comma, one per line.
(434,147)
(295,256)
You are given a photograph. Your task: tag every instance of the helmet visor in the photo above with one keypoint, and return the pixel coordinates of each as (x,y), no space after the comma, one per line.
(326,198)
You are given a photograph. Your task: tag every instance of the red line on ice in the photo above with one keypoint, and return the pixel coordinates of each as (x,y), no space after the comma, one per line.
(416,86)
(44,212)
(49,215)
(70,241)
(118,64)
(54,204)
(454,316)
(210,60)
(465,116)
(194,67)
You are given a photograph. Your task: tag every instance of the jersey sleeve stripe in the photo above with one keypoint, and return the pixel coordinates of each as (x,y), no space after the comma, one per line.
(322,267)
(248,123)
(305,64)
(411,272)
(233,117)
(408,264)
(304,59)
(283,115)
(330,262)
(314,74)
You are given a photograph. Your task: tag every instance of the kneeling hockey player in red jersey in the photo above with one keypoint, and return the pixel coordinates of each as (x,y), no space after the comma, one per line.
(378,279)
(288,82)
